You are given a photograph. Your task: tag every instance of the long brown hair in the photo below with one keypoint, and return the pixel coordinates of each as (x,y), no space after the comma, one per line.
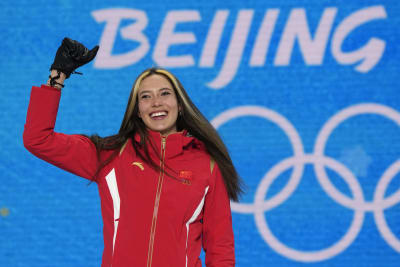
(190,119)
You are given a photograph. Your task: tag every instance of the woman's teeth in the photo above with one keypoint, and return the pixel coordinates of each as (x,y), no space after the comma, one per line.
(157,114)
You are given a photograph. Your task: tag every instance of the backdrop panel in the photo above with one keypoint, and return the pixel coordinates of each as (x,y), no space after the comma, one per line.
(304,93)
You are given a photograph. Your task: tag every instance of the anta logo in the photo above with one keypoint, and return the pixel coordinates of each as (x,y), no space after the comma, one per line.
(138,164)
(186,177)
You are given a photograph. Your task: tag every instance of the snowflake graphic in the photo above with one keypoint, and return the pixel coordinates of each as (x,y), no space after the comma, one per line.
(357,160)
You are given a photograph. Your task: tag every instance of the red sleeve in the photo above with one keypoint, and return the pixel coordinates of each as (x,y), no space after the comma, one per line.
(218,242)
(73,153)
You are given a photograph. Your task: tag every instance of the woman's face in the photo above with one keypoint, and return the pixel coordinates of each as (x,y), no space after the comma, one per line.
(158,105)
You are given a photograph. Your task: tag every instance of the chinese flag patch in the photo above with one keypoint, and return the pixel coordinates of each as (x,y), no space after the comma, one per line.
(186,177)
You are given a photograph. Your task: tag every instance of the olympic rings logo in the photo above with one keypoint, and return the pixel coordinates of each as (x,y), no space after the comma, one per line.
(320,162)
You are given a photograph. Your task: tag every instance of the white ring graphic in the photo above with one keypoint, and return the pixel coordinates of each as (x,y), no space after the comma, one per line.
(380,220)
(335,249)
(320,161)
(321,142)
(294,139)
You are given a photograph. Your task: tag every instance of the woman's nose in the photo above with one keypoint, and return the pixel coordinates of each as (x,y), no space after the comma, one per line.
(156,101)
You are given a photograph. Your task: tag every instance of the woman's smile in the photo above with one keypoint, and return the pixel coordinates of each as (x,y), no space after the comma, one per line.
(158,115)
(158,105)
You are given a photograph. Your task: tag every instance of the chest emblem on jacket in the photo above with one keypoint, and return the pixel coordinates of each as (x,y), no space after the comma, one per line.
(186,177)
(138,164)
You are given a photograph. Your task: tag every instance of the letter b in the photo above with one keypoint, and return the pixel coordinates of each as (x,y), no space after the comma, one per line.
(113,17)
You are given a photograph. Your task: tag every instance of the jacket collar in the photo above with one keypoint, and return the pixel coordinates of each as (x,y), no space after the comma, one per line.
(174,143)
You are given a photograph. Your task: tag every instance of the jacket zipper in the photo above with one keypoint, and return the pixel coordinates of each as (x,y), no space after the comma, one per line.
(156,203)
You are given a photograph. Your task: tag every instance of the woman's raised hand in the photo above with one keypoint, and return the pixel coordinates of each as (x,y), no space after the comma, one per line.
(71,55)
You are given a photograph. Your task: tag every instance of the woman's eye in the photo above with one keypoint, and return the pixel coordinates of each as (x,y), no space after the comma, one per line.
(165,93)
(144,96)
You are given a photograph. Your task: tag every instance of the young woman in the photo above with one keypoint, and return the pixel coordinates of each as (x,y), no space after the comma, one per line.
(164,180)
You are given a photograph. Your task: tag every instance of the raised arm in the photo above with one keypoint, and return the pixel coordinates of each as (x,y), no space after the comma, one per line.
(74,153)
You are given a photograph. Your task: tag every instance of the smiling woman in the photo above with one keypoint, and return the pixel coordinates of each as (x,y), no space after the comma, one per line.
(165,179)
(158,106)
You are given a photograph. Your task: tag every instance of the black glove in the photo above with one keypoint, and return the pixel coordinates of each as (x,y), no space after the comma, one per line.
(71,55)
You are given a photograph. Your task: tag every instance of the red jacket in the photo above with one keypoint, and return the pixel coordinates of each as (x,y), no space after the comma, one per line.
(150,218)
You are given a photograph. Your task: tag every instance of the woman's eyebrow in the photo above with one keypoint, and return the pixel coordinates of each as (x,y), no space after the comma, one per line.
(160,89)
(165,88)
